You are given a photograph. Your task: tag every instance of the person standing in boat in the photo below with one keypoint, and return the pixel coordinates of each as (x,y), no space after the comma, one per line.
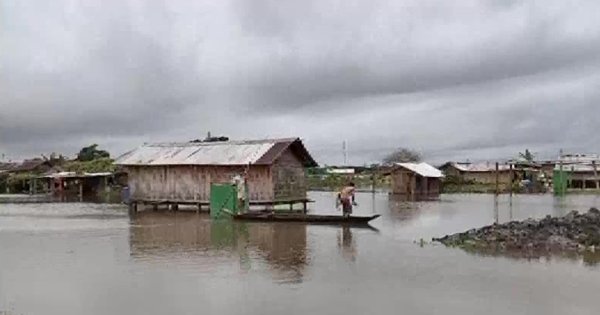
(346,198)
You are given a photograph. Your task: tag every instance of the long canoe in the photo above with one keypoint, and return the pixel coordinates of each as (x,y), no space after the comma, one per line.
(307,218)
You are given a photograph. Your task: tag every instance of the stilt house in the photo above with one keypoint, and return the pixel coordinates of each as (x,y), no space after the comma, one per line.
(182,173)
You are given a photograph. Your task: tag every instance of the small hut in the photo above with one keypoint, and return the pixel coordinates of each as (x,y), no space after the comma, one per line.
(182,173)
(416,179)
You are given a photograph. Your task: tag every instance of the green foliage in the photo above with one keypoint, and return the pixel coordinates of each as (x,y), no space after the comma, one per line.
(527,155)
(316,171)
(19,177)
(54,158)
(402,155)
(94,166)
(91,153)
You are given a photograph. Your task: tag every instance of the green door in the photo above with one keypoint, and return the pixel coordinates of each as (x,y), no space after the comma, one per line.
(223,196)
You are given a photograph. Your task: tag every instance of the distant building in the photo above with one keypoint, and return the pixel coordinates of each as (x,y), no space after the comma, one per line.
(5,166)
(582,170)
(343,171)
(416,179)
(81,184)
(482,173)
(183,172)
(26,172)
(36,165)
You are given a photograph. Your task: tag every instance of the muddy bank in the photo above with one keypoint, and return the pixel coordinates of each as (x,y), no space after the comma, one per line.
(573,232)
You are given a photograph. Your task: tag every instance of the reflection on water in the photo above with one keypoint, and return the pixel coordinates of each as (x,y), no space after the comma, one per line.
(183,237)
(402,209)
(458,213)
(346,244)
(587,258)
(83,258)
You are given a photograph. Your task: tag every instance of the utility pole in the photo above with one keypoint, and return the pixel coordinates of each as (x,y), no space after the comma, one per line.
(345,151)
(497,178)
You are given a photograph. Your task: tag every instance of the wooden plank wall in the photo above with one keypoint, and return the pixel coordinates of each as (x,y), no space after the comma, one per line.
(480,177)
(401,182)
(488,177)
(192,183)
(289,178)
(406,183)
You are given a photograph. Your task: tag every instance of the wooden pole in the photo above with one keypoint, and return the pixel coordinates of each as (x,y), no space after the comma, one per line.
(570,179)
(373,183)
(496,210)
(510,168)
(497,178)
(106,186)
(80,190)
(133,207)
(596,175)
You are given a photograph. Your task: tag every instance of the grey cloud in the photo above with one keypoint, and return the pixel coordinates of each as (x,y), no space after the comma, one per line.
(427,58)
(477,79)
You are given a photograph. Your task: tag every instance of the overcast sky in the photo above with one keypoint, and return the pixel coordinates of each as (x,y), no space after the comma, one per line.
(454,79)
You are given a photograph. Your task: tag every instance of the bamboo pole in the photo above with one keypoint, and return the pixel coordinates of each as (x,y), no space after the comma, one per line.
(596,175)
(80,190)
(496,210)
(497,178)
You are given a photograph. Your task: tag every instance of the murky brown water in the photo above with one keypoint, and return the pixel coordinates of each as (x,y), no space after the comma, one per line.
(94,259)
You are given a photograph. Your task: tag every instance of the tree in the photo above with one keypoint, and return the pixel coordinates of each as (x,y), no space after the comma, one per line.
(527,156)
(402,155)
(91,153)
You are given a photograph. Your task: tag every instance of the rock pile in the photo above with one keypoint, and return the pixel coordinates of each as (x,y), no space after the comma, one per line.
(572,232)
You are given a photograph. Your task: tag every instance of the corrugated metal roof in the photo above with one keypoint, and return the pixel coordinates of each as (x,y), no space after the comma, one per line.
(261,152)
(76,175)
(30,165)
(579,158)
(7,166)
(578,167)
(422,169)
(479,167)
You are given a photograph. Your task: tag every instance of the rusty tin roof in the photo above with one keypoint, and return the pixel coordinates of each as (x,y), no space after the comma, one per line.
(257,152)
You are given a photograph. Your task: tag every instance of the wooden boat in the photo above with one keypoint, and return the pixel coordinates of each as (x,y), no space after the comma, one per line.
(306,218)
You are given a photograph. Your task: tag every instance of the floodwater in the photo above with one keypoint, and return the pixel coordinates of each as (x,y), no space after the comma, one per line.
(80,258)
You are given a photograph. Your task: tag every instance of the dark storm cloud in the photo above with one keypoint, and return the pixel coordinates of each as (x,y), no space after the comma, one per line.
(97,76)
(370,51)
(475,79)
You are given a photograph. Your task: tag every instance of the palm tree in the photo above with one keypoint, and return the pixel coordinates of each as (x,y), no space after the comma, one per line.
(527,156)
